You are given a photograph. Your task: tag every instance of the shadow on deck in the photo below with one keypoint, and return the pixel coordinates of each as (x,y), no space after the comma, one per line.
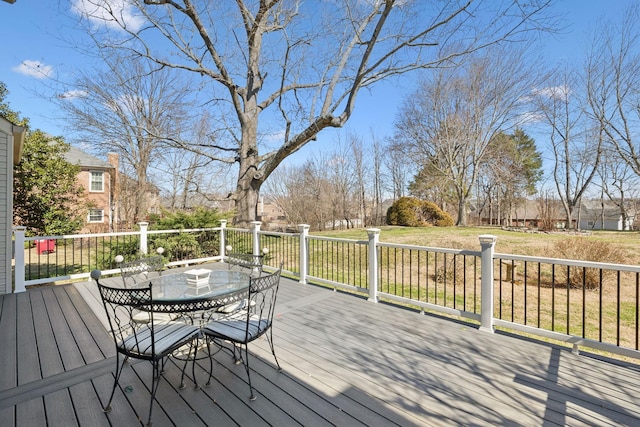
(346,361)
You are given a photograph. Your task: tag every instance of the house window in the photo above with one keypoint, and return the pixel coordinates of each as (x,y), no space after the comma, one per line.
(97,181)
(96,215)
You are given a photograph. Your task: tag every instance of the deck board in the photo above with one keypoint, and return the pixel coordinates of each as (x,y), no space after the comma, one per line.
(44,335)
(346,361)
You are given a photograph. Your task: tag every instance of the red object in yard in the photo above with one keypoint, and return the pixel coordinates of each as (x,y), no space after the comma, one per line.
(45,246)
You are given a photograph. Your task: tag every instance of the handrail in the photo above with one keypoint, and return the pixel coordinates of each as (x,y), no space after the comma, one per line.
(460,282)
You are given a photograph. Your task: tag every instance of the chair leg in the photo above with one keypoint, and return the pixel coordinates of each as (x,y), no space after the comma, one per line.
(193,367)
(208,383)
(155,382)
(273,350)
(119,367)
(252,396)
(210,355)
(237,357)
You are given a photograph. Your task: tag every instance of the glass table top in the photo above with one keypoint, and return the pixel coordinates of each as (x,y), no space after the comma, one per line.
(196,284)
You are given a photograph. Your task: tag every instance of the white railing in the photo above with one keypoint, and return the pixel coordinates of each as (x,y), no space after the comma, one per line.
(451,281)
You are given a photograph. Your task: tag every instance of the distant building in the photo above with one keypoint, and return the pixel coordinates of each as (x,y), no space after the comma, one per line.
(272,216)
(99,180)
(595,215)
(590,215)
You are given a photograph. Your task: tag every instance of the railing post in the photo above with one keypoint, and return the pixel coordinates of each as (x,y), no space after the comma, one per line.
(223,229)
(144,248)
(255,237)
(18,251)
(304,262)
(487,245)
(374,235)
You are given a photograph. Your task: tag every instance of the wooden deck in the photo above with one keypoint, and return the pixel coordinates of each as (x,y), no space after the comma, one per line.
(346,362)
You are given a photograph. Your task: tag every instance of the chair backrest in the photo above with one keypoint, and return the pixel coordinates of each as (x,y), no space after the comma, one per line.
(121,304)
(250,262)
(141,269)
(263,292)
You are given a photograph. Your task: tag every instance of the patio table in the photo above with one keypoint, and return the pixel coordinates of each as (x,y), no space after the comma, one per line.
(191,291)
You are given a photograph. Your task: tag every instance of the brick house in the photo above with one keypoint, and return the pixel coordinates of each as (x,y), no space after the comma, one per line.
(111,194)
(272,216)
(99,180)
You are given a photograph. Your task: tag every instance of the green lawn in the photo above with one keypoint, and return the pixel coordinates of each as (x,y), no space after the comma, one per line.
(508,242)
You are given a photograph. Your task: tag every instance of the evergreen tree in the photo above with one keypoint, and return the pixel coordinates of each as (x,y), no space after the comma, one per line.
(46,196)
(529,159)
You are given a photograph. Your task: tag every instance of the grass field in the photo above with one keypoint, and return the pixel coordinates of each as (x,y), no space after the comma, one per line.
(508,242)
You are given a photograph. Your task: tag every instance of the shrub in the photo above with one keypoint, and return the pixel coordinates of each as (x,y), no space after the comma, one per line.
(585,250)
(198,218)
(412,212)
(187,245)
(450,267)
(433,214)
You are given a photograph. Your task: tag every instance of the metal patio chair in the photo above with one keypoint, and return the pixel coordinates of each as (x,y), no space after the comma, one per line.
(250,262)
(248,324)
(244,262)
(150,341)
(141,269)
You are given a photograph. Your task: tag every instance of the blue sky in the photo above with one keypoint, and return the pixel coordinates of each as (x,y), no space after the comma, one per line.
(33,52)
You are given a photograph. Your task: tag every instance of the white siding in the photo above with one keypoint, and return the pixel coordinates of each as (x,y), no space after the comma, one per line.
(6,205)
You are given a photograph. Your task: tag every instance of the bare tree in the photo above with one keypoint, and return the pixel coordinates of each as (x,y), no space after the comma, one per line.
(377,214)
(613,84)
(333,183)
(399,169)
(620,185)
(360,178)
(299,65)
(451,119)
(187,174)
(128,109)
(574,141)
(282,190)
(188,181)
(304,193)
(547,211)
(340,173)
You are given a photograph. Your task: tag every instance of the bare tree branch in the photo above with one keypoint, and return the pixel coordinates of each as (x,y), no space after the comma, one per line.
(311,67)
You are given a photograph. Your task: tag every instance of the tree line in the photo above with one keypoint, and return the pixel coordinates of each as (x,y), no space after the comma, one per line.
(250,83)
(460,137)
(189,85)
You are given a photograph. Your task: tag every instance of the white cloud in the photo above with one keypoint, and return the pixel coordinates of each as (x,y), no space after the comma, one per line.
(35,69)
(71,94)
(111,13)
(561,92)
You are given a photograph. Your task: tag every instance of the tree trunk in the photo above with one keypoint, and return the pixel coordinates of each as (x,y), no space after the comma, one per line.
(141,194)
(246,202)
(462,212)
(250,179)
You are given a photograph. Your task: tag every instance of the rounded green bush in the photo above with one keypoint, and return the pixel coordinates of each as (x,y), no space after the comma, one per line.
(412,212)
